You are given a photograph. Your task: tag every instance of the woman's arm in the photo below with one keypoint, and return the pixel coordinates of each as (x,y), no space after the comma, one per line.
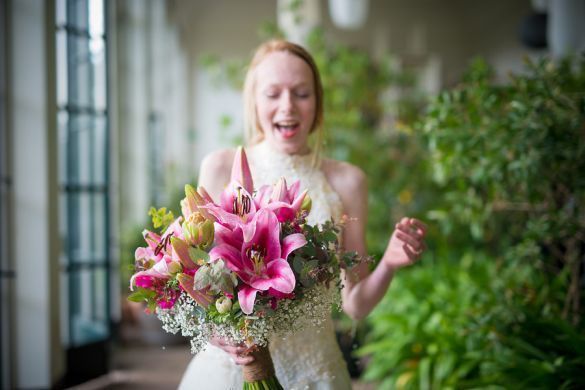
(362,289)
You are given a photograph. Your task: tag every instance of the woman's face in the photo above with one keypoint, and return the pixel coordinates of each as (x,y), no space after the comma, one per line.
(285,101)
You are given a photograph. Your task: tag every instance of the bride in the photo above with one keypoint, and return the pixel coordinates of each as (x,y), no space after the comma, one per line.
(283,99)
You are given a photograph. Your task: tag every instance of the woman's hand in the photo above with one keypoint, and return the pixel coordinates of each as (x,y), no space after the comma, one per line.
(406,244)
(238,353)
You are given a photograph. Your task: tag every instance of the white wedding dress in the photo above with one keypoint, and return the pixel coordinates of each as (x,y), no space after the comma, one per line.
(309,359)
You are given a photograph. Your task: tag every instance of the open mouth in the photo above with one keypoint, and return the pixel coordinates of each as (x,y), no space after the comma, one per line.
(287,129)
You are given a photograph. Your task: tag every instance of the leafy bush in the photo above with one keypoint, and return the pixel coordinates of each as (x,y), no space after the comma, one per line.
(508,163)
(510,160)
(459,325)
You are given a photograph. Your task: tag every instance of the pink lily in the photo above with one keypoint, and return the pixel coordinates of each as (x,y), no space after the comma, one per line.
(286,201)
(159,253)
(163,269)
(261,261)
(236,206)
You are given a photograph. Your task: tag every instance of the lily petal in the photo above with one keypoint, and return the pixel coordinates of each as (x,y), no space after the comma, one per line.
(224,235)
(201,297)
(262,197)
(246,297)
(279,192)
(293,190)
(280,277)
(241,170)
(292,242)
(181,253)
(151,238)
(229,254)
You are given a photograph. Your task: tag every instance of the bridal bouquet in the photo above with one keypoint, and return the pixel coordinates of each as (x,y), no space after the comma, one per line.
(246,269)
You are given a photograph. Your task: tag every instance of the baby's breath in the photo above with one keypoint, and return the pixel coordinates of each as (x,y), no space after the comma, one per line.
(292,315)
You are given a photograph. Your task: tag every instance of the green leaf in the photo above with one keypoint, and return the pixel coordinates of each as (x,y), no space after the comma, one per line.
(199,256)
(138,296)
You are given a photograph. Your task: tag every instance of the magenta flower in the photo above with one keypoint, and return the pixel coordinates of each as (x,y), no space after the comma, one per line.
(286,201)
(157,256)
(260,262)
(236,206)
(163,269)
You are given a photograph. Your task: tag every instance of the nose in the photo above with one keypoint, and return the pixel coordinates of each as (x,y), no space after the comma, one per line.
(286,103)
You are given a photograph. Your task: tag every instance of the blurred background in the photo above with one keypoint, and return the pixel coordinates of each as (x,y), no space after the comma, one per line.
(467,114)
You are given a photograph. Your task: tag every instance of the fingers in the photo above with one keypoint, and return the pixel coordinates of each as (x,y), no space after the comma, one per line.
(238,353)
(420,226)
(243,360)
(411,232)
(415,243)
(412,225)
(405,229)
(411,255)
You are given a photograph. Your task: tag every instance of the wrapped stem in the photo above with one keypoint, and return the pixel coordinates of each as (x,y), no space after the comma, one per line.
(260,373)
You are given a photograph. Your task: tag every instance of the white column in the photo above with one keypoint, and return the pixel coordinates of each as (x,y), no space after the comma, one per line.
(566,27)
(132,111)
(39,354)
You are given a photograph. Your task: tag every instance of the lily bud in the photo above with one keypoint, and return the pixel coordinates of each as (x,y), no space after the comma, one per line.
(198,231)
(223,305)
(307,204)
(174,267)
(194,201)
(279,191)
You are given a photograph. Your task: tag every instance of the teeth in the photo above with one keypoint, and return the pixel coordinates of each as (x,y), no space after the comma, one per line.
(286,124)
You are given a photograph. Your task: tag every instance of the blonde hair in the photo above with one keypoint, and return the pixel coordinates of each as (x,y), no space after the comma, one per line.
(252,129)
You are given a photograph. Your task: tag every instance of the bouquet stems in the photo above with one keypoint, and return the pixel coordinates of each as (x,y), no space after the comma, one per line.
(260,375)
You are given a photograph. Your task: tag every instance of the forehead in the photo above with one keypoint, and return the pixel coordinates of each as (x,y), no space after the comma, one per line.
(283,68)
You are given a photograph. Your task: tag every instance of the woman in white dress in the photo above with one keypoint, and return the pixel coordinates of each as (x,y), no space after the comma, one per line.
(283,99)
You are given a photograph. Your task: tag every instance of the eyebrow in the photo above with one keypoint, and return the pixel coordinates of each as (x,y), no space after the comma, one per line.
(301,84)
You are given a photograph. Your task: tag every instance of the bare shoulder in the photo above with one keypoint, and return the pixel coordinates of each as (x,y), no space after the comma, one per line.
(215,171)
(344,177)
(218,161)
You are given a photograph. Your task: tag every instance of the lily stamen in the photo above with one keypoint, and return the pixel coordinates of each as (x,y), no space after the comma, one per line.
(257,255)
(163,244)
(242,204)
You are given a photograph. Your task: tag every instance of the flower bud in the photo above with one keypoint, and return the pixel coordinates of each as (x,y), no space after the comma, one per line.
(223,305)
(198,231)
(307,204)
(174,267)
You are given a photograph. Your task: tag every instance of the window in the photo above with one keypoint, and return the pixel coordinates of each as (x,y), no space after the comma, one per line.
(83,169)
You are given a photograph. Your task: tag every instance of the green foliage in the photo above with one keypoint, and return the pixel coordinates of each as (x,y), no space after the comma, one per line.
(161,218)
(233,316)
(426,333)
(217,277)
(143,295)
(510,159)
(461,325)
(506,162)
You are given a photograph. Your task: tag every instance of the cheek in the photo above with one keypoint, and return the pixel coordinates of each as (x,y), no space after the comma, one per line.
(263,112)
(309,111)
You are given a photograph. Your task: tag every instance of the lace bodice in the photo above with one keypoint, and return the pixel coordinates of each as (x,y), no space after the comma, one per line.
(310,358)
(268,166)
